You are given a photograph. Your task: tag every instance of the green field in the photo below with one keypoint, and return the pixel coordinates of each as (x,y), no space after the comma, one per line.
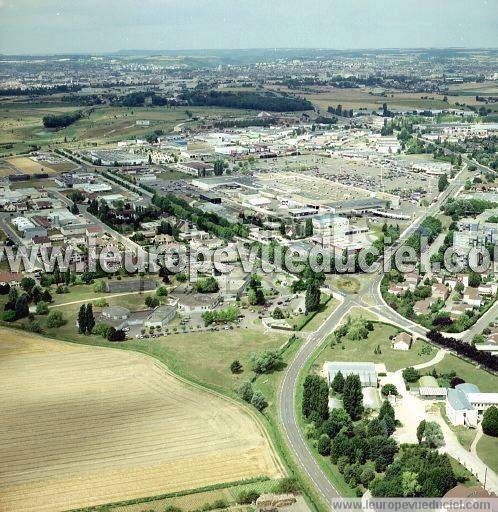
(485,381)
(487,450)
(22,125)
(363,350)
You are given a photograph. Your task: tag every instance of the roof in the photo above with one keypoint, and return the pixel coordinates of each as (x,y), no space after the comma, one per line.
(432,391)
(9,277)
(403,336)
(458,400)
(116,311)
(428,381)
(467,387)
(160,313)
(366,371)
(460,491)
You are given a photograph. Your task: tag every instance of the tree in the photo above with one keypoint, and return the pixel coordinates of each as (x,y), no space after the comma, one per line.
(207,285)
(474,279)
(433,435)
(315,397)
(259,401)
(410,374)
(21,307)
(162,291)
(308,228)
(27,284)
(389,389)
(352,396)
(116,334)
(338,382)
(46,296)
(312,298)
(386,409)
(82,319)
(55,319)
(219,167)
(266,361)
(420,431)
(236,367)
(41,308)
(409,483)
(490,421)
(323,446)
(151,301)
(277,314)
(443,182)
(90,319)
(245,391)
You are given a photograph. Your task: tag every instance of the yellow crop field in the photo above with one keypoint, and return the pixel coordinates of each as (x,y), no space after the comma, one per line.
(82,426)
(28,165)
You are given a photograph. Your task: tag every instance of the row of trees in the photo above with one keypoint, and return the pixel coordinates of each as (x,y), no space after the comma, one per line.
(248,100)
(487,359)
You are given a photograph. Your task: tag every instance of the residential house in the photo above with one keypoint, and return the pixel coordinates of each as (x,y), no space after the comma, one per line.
(471,297)
(403,341)
(440,291)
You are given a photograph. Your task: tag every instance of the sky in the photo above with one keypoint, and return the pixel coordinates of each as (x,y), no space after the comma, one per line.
(60,26)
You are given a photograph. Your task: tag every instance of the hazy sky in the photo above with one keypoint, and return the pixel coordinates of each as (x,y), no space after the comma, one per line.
(53,26)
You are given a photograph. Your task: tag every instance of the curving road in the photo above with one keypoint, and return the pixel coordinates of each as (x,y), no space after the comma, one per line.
(288,390)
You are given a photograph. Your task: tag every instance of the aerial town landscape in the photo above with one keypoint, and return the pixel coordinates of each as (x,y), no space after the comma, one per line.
(246,280)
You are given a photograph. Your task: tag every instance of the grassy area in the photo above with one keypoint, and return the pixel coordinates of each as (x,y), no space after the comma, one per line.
(463,475)
(484,380)
(487,450)
(312,321)
(22,124)
(363,350)
(348,284)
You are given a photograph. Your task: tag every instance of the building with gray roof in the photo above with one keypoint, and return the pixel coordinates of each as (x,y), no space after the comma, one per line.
(366,371)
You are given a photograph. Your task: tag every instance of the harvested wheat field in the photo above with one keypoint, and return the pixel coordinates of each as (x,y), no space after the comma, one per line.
(82,426)
(28,166)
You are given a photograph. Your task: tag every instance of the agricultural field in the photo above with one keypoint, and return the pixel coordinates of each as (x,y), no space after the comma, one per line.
(364,350)
(27,165)
(104,425)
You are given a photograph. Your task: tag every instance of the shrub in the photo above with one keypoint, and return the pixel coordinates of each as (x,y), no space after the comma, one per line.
(8,316)
(55,319)
(102,330)
(248,497)
(41,308)
(259,401)
(287,485)
(410,374)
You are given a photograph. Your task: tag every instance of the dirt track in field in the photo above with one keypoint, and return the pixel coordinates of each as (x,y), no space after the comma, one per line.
(82,426)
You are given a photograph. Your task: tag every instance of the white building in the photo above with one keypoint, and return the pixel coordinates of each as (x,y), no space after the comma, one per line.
(465,404)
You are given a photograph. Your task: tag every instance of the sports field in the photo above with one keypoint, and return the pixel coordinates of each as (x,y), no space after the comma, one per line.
(84,425)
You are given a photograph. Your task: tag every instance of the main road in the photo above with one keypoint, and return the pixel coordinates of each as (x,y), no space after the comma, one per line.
(288,414)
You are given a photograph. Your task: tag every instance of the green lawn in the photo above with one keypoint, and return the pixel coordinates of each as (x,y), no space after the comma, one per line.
(484,380)
(363,350)
(464,476)
(321,315)
(487,450)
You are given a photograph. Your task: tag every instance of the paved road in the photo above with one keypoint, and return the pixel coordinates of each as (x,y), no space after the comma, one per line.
(287,395)
(287,409)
